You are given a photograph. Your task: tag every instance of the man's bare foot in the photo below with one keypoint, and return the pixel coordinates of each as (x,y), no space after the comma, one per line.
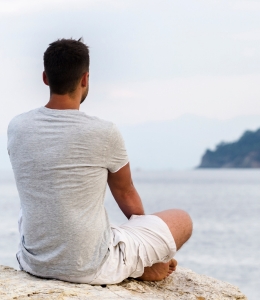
(172,266)
(158,271)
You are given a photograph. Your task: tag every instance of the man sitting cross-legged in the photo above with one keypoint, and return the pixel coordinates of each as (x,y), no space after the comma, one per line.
(62,161)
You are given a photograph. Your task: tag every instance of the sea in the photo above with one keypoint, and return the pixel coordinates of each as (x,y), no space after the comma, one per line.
(224,206)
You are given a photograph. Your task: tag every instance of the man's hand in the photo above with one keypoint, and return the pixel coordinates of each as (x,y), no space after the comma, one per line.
(124,192)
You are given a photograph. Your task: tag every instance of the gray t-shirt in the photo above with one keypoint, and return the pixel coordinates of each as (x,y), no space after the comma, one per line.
(60,160)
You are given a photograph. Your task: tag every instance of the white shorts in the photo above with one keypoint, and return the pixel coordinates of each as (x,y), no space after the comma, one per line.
(140,242)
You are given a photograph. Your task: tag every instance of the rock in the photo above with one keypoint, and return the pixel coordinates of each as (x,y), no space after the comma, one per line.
(182,284)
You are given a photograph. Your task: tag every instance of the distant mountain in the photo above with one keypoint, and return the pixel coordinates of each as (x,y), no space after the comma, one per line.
(244,153)
(178,144)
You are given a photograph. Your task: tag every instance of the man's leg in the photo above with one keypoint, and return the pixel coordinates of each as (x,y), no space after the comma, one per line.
(180,225)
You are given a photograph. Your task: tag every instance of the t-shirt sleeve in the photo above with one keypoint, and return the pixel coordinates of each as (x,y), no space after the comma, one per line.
(116,151)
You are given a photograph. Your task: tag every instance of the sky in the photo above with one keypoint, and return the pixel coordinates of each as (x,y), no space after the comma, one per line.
(150,60)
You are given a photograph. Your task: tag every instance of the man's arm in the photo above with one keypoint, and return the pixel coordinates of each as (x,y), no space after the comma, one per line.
(124,192)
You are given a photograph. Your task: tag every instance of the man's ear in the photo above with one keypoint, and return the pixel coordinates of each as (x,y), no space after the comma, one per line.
(84,79)
(44,78)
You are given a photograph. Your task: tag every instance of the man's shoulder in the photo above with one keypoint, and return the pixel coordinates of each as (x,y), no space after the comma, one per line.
(99,123)
(103,129)
(78,118)
(21,118)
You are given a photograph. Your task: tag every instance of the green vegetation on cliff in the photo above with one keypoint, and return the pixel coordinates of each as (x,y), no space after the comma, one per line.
(244,153)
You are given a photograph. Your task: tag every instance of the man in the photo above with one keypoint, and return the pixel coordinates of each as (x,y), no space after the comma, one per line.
(62,161)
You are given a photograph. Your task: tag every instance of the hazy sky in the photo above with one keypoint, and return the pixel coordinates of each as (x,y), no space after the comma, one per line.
(150,60)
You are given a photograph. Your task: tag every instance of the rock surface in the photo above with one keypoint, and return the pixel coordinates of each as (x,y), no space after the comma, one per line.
(183,284)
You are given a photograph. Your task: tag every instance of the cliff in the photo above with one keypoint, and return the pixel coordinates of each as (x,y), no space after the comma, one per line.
(244,153)
(182,284)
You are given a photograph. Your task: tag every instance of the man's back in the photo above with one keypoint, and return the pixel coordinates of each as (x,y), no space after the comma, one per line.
(61,159)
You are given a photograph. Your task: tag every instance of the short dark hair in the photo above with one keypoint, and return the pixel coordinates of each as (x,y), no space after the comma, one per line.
(65,61)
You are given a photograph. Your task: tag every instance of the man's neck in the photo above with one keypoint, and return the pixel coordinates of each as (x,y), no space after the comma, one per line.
(63,102)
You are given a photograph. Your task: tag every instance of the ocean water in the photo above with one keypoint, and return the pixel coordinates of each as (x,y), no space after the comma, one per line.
(224,206)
